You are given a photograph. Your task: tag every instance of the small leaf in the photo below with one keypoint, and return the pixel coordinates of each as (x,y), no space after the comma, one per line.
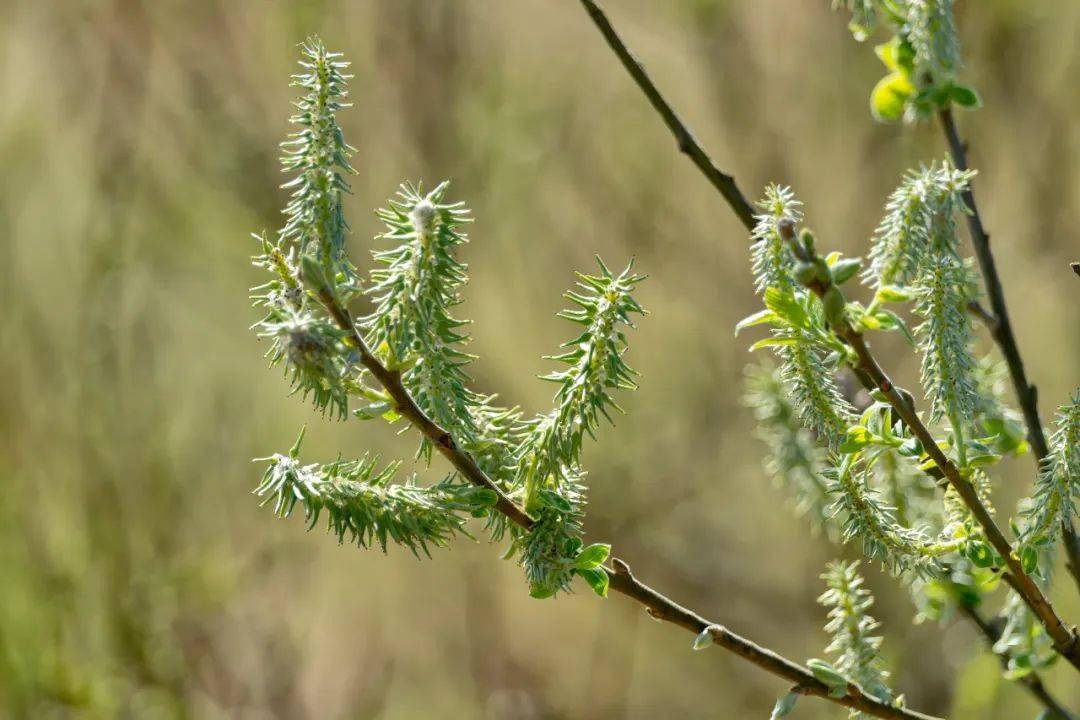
(889,319)
(555,501)
(983,460)
(786,305)
(870,322)
(704,639)
(759,318)
(1029,559)
(980,554)
(784,706)
(844,270)
(828,675)
(891,293)
(772,342)
(592,556)
(886,53)
(857,438)
(598,580)
(889,96)
(965,97)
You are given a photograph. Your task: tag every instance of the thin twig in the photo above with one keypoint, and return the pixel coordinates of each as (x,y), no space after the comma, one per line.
(1002,331)
(723,182)
(621,579)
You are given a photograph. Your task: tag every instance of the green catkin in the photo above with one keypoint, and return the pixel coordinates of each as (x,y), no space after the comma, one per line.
(549,470)
(932,34)
(771,259)
(794,459)
(319,155)
(1057,489)
(414,287)
(854,647)
(362,505)
(873,522)
(944,339)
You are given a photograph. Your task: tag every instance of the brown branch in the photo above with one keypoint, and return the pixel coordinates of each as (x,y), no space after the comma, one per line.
(621,579)
(1002,331)
(720,180)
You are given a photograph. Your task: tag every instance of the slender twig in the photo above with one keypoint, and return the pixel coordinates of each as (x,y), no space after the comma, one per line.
(1063,637)
(723,182)
(1034,684)
(1002,331)
(621,579)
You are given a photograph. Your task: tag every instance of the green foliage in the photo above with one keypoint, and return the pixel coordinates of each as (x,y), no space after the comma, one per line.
(1023,641)
(311,349)
(922,57)
(854,647)
(919,225)
(770,257)
(864,16)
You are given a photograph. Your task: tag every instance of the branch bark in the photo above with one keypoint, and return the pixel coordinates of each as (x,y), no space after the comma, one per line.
(689,146)
(1002,331)
(621,580)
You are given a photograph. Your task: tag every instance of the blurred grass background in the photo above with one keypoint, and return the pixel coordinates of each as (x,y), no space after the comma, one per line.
(138,577)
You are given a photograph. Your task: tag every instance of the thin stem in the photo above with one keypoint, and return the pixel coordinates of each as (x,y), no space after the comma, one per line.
(1002,331)
(1064,638)
(723,182)
(958,438)
(621,579)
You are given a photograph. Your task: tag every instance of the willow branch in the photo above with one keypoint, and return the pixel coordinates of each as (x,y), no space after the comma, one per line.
(690,147)
(621,579)
(1063,637)
(1002,332)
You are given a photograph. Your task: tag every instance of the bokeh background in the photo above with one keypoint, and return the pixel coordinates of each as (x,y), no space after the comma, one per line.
(138,576)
